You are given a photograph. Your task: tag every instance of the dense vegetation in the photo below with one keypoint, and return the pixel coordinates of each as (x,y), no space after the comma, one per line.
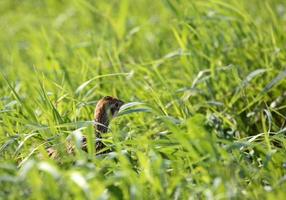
(205,82)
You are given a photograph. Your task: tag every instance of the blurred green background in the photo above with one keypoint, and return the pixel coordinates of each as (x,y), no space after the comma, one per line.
(209,76)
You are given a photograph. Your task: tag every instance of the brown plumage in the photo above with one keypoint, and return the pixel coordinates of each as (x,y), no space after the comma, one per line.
(105,110)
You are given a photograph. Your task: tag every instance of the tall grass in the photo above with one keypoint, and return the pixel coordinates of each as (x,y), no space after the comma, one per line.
(205,85)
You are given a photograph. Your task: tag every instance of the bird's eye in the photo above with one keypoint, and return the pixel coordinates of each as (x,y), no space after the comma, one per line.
(116,105)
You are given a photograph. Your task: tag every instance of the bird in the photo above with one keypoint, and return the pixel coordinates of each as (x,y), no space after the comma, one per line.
(106,109)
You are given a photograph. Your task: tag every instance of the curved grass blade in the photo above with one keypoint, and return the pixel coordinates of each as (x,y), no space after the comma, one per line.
(128,105)
(82,86)
(245,83)
(137,110)
(274,81)
(250,77)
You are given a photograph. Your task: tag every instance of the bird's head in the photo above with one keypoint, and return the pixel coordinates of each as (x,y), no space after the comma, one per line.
(112,105)
(106,109)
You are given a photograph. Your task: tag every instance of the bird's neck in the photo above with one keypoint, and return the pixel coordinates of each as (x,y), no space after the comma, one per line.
(102,123)
(101,127)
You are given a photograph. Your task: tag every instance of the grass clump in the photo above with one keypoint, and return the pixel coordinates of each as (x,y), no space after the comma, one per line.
(205,82)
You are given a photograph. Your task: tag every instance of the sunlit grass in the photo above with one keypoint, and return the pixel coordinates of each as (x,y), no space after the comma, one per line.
(204,82)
